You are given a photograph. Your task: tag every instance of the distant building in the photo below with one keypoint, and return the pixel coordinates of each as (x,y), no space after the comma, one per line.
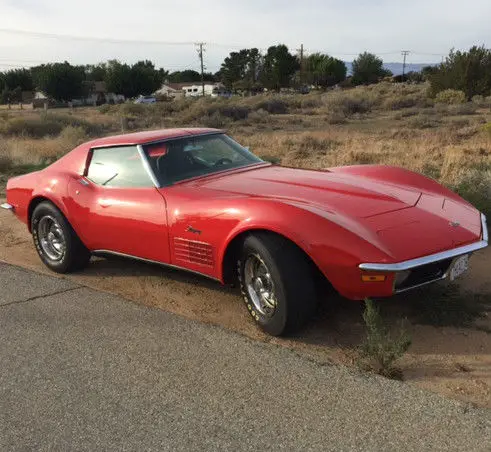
(191,89)
(96,95)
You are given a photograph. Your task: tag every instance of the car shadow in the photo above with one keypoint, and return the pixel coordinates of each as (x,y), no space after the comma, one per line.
(115,266)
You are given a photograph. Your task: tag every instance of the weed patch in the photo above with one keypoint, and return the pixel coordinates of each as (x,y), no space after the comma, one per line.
(381,349)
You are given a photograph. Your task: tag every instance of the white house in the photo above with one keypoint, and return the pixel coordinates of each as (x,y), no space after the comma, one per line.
(192,90)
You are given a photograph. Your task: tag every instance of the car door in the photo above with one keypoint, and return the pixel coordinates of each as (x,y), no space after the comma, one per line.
(115,206)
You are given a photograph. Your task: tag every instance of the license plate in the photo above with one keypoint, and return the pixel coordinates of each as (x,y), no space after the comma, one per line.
(461,265)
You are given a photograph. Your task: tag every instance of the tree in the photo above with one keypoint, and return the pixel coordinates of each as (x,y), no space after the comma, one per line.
(118,77)
(21,78)
(140,79)
(145,79)
(61,81)
(469,72)
(279,67)
(241,70)
(186,76)
(95,73)
(367,69)
(325,71)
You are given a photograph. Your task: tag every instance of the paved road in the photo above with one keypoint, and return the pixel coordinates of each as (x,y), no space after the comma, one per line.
(84,370)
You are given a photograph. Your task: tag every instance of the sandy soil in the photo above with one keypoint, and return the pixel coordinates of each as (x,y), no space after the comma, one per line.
(455,362)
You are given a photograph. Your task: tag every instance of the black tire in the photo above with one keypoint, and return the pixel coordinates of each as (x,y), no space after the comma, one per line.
(292,276)
(74,255)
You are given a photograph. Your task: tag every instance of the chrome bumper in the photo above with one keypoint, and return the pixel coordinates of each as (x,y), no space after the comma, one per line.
(418,262)
(7,206)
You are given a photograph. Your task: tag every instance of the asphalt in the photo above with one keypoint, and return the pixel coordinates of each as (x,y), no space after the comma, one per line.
(85,370)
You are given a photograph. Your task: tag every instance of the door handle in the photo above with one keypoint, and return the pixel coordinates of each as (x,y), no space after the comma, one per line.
(83,182)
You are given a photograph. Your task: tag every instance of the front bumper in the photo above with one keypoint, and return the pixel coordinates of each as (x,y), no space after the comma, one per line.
(427,269)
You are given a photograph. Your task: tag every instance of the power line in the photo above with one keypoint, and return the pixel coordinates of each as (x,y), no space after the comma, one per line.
(90,38)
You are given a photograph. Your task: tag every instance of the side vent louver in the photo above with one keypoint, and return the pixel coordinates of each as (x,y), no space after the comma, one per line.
(190,251)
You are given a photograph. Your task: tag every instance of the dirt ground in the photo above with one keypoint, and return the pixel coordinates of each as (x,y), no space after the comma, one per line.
(452,360)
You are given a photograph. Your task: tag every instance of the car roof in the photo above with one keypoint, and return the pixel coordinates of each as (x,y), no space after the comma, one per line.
(149,136)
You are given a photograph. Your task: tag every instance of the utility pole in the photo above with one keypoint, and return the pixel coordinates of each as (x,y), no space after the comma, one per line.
(404,53)
(200,54)
(300,50)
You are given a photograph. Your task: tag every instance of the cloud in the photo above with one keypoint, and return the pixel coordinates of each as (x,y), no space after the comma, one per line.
(381,26)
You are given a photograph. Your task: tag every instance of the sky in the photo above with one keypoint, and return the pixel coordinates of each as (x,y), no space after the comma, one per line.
(428,28)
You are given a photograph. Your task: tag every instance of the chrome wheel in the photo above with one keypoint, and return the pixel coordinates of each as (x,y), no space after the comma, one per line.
(51,238)
(259,285)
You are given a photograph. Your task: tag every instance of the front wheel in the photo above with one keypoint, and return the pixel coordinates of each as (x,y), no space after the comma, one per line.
(56,242)
(277,283)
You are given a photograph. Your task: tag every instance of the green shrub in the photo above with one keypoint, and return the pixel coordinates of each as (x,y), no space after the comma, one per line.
(380,351)
(450,97)
(474,186)
(465,71)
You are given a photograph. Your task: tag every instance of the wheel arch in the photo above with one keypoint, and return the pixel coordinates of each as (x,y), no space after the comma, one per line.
(35,201)
(233,247)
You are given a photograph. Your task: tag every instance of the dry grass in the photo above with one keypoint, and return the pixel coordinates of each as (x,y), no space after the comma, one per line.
(385,124)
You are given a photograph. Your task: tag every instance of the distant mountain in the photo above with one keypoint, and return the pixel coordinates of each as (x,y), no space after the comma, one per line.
(396,68)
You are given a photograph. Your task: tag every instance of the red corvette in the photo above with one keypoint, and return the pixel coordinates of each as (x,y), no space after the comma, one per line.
(197,200)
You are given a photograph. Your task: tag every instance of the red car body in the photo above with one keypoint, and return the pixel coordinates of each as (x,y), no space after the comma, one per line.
(353,222)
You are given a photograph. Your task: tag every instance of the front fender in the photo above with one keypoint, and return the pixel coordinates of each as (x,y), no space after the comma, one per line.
(335,250)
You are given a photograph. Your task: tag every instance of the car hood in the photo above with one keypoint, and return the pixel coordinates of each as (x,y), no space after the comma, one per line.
(386,214)
(356,196)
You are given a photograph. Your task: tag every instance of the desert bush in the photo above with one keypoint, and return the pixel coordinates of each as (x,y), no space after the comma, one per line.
(336,118)
(106,108)
(407,113)
(36,127)
(73,135)
(5,164)
(90,128)
(381,350)
(312,143)
(399,102)
(487,128)
(273,106)
(450,96)
(216,120)
(311,101)
(423,122)
(349,103)
(468,108)
(259,116)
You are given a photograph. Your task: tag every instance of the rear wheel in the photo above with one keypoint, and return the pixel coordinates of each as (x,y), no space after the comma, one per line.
(277,283)
(56,242)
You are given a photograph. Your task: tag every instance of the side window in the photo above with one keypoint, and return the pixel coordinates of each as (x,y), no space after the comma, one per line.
(118,167)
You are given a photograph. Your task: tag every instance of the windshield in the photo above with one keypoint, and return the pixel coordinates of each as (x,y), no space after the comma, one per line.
(184,158)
